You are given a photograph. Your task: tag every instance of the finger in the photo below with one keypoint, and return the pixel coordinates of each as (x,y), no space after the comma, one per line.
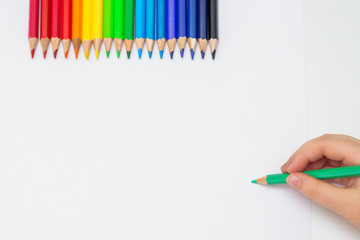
(317,165)
(334,147)
(332,197)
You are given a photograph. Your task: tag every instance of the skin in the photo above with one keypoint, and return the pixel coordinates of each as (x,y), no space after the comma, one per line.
(328,151)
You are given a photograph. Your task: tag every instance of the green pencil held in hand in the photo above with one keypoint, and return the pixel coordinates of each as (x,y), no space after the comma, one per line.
(323,174)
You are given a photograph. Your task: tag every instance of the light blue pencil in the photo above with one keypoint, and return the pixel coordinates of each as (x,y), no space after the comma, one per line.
(160,26)
(140,6)
(150,26)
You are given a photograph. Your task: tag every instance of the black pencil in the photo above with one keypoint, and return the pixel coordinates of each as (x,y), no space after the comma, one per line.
(213,26)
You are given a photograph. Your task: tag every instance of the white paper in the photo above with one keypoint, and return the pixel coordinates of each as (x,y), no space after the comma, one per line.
(118,149)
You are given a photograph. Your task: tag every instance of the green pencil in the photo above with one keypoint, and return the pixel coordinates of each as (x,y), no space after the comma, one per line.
(108,25)
(119,24)
(323,174)
(129,25)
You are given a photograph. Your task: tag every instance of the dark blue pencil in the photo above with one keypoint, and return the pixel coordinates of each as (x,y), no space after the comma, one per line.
(203,26)
(192,26)
(181,25)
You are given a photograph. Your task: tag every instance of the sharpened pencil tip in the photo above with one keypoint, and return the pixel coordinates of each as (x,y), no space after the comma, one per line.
(140,53)
(76,53)
(32,53)
(161,54)
(182,52)
(66,54)
(128,53)
(213,54)
(86,55)
(192,54)
(55,53)
(202,54)
(171,55)
(44,54)
(118,54)
(97,54)
(107,54)
(253,181)
(150,54)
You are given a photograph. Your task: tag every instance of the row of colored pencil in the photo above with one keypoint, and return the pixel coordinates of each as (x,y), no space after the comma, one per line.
(89,22)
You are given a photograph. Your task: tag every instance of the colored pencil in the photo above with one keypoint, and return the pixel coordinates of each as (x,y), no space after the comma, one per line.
(98,25)
(45,26)
(213,28)
(161,26)
(140,27)
(77,10)
(192,26)
(33,25)
(66,25)
(171,26)
(150,26)
(119,24)
(203,26)
(181,26)
(108,25)
(322,174)
(129,25)
(86,26)
(55,25)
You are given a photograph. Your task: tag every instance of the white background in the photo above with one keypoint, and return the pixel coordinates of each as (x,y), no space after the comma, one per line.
(118,149)
(332,45)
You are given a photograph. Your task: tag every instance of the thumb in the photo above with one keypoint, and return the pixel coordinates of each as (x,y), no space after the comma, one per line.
(321,192)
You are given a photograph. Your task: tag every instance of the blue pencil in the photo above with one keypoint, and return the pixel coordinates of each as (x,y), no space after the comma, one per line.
(140,25)
(181,25)
(203,26)
(192,26)
(171,25)
(160,26)
(150,26)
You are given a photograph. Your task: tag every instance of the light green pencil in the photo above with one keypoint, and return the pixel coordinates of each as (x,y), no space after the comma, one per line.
(119,24)
(323,174)
(108,25)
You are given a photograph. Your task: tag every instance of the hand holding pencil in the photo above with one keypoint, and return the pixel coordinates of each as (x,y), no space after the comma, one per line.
(328,151)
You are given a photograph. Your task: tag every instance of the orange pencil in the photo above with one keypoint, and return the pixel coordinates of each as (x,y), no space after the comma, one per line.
(66,25)
(77,25)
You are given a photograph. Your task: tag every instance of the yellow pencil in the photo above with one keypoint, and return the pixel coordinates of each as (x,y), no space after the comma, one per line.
(86,26)
(98,25)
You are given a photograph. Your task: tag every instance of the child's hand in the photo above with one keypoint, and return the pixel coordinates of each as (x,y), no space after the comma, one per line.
(326,152)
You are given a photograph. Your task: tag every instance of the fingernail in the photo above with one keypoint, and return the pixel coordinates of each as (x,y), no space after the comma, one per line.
(293,181)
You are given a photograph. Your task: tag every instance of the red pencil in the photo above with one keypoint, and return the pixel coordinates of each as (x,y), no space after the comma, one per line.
(33,25)
(45,28)
(66,25)
(55,25)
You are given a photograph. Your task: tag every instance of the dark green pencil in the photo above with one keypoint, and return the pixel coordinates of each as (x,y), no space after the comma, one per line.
(323,174)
